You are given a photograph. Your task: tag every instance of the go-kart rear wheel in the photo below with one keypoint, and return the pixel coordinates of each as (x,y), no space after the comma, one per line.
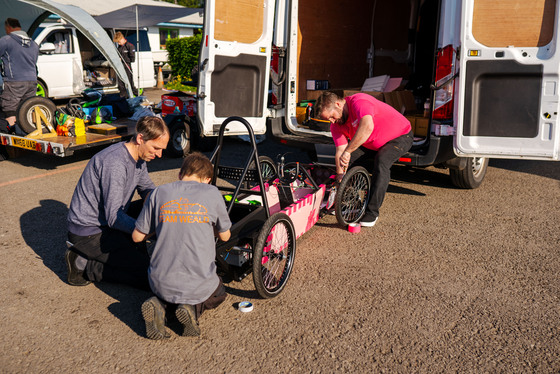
(273,255)
(352,196)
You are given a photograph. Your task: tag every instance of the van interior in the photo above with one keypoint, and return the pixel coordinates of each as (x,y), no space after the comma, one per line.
(336,37)
(98,73)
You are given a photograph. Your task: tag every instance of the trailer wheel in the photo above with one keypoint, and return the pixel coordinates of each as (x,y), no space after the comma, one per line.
(352,196)
(470,177)
(25,115)
(179,144)
(273,255)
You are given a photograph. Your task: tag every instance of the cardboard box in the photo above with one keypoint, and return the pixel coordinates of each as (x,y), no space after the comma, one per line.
(403,101)
(419,125)
(313,95)
(350,92)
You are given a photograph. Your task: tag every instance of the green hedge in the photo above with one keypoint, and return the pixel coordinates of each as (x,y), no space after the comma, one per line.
(183,54)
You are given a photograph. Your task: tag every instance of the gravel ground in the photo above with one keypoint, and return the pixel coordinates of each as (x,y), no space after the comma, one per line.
(448,281)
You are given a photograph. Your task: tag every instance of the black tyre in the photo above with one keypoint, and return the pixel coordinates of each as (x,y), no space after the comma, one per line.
(352,196)
(471,176)
(25,115)
(273,255)
(180,141)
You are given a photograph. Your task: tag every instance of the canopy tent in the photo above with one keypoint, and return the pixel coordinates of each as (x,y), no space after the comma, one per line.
(141,15)
(31,12)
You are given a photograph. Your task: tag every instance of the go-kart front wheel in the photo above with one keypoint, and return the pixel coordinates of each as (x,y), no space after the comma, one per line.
(352,196)
(273,255)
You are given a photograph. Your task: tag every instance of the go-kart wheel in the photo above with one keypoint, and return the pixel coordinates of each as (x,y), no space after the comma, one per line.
(273,255)
(352,196)
(268,168)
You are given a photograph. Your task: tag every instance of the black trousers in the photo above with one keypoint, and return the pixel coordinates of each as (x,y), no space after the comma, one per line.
(379,163)
(122,87)
(113,256)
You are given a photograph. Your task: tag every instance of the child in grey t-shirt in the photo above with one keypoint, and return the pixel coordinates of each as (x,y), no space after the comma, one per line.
(184,215)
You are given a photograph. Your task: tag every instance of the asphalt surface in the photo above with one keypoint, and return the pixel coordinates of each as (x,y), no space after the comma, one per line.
(448,280)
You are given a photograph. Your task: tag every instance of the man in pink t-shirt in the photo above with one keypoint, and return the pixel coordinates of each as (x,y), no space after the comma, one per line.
(364,128)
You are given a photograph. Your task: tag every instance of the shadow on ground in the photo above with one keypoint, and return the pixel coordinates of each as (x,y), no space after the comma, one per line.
(548,169)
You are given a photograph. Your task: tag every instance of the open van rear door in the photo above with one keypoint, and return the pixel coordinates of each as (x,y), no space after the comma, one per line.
(509,65)
(235,64)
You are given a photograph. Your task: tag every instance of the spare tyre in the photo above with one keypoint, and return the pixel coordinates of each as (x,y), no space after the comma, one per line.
(25,115)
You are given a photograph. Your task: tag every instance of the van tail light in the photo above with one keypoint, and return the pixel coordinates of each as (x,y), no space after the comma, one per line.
(445,83)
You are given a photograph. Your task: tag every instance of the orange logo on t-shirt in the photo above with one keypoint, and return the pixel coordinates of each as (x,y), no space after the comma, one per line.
(183,212)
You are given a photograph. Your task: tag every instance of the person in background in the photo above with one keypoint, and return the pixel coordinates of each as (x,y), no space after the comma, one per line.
(127,52)
(101,217)
(365,128)
(19,54)
(185,215)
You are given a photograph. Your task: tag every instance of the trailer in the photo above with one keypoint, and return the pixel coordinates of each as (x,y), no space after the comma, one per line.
(62,146)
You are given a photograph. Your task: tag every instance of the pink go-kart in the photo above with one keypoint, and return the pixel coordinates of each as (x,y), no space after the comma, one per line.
(271,205)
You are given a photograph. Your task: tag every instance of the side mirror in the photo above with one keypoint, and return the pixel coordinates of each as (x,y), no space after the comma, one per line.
(47,48)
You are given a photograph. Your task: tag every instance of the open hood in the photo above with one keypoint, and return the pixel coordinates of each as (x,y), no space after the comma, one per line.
(31,12)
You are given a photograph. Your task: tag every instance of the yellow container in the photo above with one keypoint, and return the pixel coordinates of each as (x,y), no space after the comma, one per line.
(300,114)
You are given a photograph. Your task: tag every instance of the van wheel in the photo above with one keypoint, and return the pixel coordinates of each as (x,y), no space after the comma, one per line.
(25,115)
(179,144)
(471,176)
(42,89)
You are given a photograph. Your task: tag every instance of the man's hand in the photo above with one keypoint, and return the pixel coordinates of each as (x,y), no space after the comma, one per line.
(345,159)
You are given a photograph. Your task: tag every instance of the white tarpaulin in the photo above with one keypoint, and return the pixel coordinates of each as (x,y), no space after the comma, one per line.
(31,12)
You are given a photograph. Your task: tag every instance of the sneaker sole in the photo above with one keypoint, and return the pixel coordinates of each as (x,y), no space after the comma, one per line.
(188,320)
(368,224)
(149,315)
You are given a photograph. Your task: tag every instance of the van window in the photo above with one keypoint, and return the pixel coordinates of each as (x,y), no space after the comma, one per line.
(62,40)
(130,36)
(514,23)
(239,20)
(165,34)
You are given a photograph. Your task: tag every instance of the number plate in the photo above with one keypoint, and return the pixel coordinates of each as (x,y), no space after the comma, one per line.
(24,143)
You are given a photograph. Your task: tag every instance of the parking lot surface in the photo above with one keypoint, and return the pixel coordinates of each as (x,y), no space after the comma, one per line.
(448,280)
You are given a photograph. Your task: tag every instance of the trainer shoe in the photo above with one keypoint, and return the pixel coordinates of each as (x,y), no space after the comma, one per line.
(153,313)
(368,222)
(75,275)
(186,315)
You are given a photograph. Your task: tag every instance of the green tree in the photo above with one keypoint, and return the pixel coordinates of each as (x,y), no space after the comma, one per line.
(188,3)
(183,54)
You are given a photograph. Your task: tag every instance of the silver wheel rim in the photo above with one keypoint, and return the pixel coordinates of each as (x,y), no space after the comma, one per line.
(478,165)
(354,199)
(180,140)
(43,109)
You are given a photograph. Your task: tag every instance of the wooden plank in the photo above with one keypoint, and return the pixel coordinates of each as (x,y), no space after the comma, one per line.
(239,20)
(519,23)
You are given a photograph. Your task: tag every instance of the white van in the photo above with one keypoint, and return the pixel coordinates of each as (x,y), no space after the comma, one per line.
(69,63)
(490,76)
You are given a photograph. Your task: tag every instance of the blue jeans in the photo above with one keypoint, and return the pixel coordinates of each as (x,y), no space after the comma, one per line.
(379,163)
